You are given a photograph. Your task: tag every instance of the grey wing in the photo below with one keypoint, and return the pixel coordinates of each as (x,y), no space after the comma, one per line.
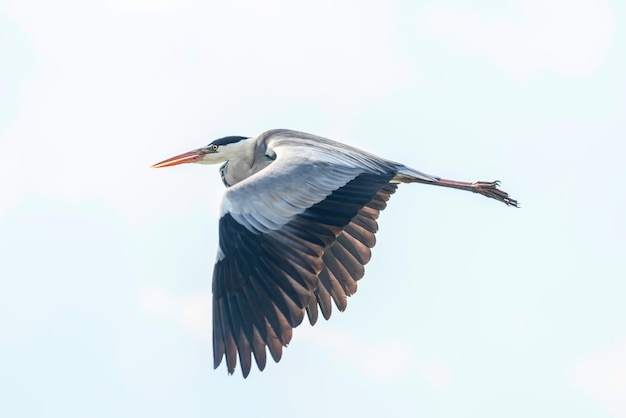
(274,231)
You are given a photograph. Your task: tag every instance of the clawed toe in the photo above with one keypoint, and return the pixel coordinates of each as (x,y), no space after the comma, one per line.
(490,189)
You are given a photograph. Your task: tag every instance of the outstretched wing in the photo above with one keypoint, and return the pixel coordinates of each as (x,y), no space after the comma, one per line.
(278,230)
(344,261)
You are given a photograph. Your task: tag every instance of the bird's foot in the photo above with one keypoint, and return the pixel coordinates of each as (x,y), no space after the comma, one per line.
(490,189)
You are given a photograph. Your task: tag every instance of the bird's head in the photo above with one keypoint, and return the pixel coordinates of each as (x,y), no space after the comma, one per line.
(218,151)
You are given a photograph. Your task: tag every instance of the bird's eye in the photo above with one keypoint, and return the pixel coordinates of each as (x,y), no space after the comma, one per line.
(214,147)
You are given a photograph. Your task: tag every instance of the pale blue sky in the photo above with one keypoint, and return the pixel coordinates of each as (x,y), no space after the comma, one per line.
(468,308)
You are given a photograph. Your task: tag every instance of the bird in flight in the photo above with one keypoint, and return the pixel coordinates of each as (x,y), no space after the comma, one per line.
(297,224)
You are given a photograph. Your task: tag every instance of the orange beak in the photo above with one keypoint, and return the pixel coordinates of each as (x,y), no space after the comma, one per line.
(188,157)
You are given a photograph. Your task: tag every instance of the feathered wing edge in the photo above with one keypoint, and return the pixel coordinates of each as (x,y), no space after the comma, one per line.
(345,260)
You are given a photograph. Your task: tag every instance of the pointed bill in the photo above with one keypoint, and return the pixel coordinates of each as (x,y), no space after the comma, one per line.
(188,157)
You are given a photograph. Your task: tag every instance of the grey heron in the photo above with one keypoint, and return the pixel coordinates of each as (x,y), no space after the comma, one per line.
(297,224)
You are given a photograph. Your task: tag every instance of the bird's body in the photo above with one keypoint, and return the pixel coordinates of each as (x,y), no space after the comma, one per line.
(297,222)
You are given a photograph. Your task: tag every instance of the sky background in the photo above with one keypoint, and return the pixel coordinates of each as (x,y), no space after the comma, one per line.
(468,308)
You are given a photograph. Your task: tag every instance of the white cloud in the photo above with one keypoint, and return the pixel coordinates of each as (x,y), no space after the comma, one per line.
(602,375)
(569,37)
(435,372)
(190,312)
(382,360)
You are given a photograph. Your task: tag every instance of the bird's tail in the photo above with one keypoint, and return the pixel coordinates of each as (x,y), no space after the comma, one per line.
(406,174)
(485,188)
